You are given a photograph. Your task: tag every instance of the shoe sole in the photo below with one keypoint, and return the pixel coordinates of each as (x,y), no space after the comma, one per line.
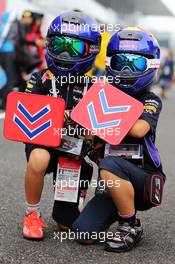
(62,228)
(109,249)
(33,238)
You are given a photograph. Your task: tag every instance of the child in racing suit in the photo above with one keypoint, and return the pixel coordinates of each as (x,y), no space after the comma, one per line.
(133,56)
(71,51)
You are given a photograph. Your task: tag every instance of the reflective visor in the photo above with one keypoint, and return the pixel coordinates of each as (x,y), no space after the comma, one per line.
(136,63)
(74,47)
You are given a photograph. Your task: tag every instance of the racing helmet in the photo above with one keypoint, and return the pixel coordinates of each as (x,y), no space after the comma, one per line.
(73,41)
(133,59)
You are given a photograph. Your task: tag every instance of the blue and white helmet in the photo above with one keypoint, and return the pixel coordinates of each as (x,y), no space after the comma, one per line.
(133,57)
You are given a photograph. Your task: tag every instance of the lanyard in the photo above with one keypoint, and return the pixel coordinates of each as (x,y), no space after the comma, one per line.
(54,87)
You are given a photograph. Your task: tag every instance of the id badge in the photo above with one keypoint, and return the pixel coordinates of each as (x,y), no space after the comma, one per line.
(71,145)
(67,180)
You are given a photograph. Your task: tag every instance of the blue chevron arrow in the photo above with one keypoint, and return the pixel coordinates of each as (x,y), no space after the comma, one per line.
(95,124)
(111,109)
(31,134)
(33,118)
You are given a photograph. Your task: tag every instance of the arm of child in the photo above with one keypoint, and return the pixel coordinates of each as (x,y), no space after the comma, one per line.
(139,129)
(149,118)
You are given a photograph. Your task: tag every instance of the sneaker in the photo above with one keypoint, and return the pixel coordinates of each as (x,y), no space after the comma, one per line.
(33,225)
(125,238)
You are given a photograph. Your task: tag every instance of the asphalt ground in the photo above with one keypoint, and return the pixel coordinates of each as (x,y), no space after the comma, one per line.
(157,247)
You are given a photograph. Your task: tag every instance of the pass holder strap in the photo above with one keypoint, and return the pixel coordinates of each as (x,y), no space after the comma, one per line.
(71,145)
(132,152)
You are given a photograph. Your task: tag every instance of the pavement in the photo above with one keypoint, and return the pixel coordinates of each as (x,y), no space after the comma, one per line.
(157,247)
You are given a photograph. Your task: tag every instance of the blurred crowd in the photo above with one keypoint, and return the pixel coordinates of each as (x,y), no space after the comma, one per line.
(166,76)
(21,51)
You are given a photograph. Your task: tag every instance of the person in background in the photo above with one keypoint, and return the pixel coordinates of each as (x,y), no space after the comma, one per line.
(38,40)
(8,36)
(27,56)
(166,73)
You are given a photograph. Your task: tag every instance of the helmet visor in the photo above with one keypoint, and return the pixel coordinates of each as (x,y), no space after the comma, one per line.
(75,48)
(136,63)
